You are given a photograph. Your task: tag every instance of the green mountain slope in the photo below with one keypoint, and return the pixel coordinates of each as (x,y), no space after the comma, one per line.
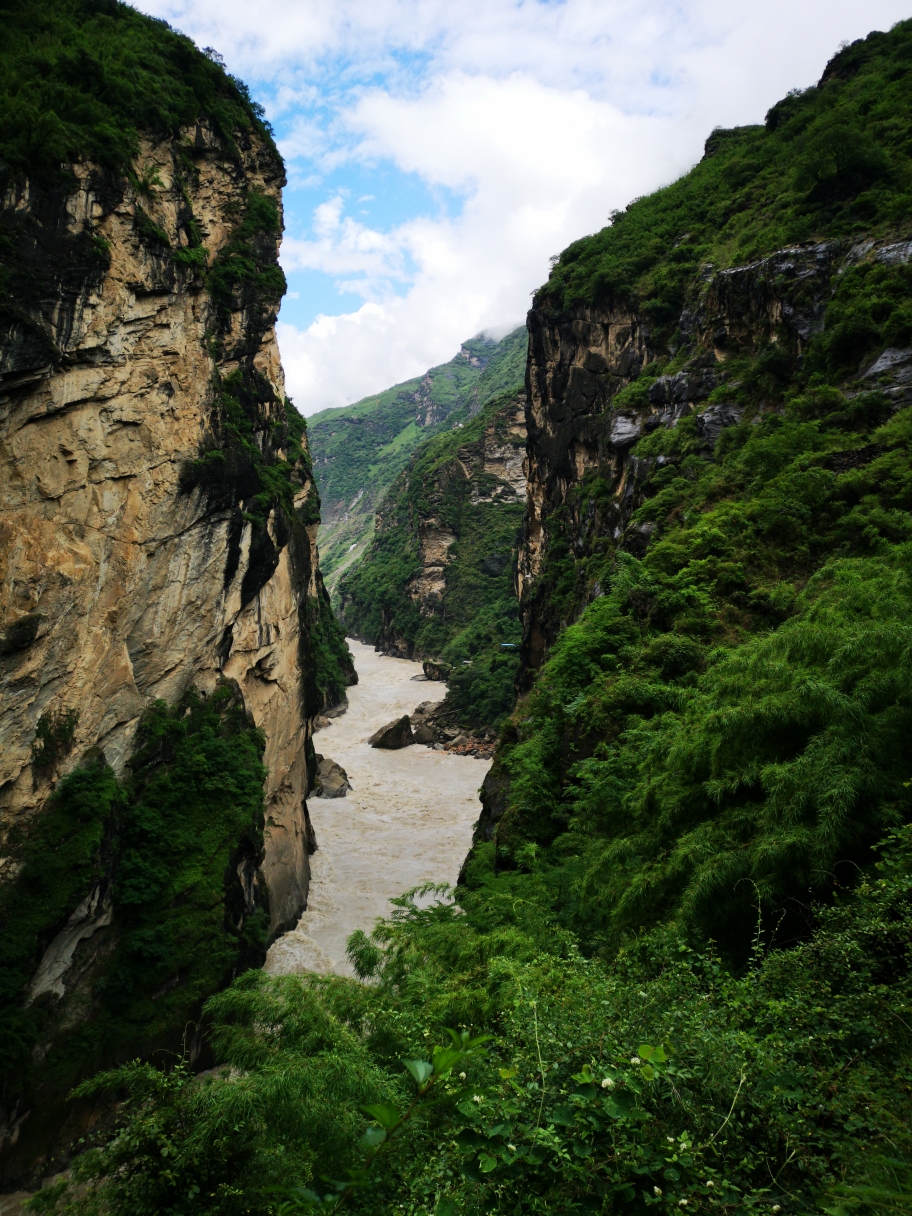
(437,579)
(721,604)
(832,160)
(359,450)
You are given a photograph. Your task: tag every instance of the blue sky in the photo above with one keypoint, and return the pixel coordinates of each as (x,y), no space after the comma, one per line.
(439,151)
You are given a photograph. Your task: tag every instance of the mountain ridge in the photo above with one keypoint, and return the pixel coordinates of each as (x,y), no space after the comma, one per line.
(359,450)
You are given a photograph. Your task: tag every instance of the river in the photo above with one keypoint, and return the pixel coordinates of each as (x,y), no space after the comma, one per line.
(407,820)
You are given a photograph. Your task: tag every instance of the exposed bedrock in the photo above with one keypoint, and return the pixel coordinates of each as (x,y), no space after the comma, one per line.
(157,515)
(581,358)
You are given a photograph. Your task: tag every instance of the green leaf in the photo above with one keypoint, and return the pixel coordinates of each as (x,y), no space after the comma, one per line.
(469,1138)
(618,1105)
(374,1136)
(445,1058)
(385,1113)
(420,1069)
(487,1164)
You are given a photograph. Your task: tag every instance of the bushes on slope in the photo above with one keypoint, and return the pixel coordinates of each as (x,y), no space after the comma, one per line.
(663,1083)
(163,850)
(80,79)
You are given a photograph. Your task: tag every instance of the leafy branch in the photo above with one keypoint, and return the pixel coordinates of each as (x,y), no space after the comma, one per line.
(388,1124)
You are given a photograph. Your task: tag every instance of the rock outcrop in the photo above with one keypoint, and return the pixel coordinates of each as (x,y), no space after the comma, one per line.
(394,735)
(331,780)
(436,724)
(127,573)
(583,479)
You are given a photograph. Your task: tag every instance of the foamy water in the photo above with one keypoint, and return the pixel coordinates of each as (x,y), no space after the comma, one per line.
(408,819)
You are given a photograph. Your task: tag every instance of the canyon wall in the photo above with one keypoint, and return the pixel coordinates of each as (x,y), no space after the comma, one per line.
(486,469)
(158,516)
(437,580)
(359,450)
(585,483)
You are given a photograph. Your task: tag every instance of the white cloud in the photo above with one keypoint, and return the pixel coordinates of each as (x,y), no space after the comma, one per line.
(543,116)
(496,139)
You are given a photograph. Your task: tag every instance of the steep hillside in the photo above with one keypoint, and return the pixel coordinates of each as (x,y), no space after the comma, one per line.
(359,450)
(714,577)
(165,638)
(437,581)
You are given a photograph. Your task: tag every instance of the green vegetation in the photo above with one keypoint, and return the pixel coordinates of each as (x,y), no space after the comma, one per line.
(245,273)
(162,847)
(79,79)
(359,450)
(664,1083)
(446,488)
(832,160)
(723,724)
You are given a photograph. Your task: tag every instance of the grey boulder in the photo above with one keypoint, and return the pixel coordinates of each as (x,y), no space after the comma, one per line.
(435,670)
(715,418)
(394,735)
(331,780)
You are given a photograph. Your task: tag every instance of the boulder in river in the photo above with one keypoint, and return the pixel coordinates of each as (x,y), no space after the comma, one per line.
(394,734)
(336,711)
(332,780)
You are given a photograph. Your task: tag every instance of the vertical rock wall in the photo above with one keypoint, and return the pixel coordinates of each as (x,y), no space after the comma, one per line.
(134,560)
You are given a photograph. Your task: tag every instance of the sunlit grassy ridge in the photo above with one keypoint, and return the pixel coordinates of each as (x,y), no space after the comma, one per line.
(830,161)
(79,79)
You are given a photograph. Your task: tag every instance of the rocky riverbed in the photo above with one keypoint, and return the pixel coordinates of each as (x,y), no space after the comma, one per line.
(407,820)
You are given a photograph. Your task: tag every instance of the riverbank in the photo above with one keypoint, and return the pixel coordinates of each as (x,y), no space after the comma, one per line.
(407,820)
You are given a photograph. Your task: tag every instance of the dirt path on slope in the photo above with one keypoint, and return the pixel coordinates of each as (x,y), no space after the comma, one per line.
(407,820)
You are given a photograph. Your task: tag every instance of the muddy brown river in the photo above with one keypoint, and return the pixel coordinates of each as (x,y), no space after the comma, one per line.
(407,820)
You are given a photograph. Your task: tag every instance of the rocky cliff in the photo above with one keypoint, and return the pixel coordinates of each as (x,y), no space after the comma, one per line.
(359,450)
(436,582)
(718,387)
(158,522)
(593,393)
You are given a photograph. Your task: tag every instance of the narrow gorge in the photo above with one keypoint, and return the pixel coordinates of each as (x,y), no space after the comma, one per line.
(640,571)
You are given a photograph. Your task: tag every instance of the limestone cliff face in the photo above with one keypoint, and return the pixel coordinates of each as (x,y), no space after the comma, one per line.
(135,556)
(579,433)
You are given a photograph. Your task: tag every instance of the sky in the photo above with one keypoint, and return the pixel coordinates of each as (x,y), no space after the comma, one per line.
(440,151)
